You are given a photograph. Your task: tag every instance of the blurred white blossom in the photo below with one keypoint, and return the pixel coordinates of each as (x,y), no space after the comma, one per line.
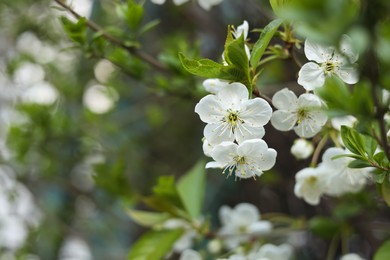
(240,224)
(302,148)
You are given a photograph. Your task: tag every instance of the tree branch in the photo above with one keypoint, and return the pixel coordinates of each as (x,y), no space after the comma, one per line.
(93,26)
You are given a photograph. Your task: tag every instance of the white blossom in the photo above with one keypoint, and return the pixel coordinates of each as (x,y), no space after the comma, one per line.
(302,148)
(186,240)
(351,256)
(327,61)
(241,223)
(339,121)
(207,4)
(303,114)
(248,159)
(310,184)
(230,115)
(190,254)
(214,85)
(341,179)
(272,252)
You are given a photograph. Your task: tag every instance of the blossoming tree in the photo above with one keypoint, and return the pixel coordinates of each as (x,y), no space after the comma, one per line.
(290,113)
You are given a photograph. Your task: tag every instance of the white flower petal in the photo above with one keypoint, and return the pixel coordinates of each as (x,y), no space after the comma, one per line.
(225,215)
(285,99)
(247,132)
(260,227)
(179,2)
(309,101)
(348,74)
(267,161)
(311,76)
(214,165)
(257,112)
(210,110)
(225,152)
(158,2)
(245,214)
(232,95)
(252,148)
(283,120)
(317,52)
(242,29)
(214,85)
(216,134)
(346,47)
(310,185)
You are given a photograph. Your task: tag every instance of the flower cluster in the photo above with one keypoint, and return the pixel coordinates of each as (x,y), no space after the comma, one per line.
(332,177)
(234,130)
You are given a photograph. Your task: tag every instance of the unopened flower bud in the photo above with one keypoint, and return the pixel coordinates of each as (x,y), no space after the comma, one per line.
(302,149)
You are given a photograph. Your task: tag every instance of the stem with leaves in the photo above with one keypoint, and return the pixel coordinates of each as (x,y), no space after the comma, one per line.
(132,50)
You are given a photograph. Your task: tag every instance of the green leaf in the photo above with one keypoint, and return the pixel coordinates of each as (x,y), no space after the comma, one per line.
(201,67)
(146,218)
(383,253)
(323,226)
(235,53)
(379,176)
(149,26)
(75,31)
(385,188)
(278,5)
(154,245)
(359,164)
(210,69)
(191,188)
(166,189)
(262,44)
(352,140)
(132,13)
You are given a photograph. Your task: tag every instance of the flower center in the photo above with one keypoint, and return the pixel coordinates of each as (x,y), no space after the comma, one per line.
(329,67)
(302,114)
(232,118)
(239,159)
(311,180)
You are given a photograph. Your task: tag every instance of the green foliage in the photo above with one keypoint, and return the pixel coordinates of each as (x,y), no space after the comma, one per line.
(132,13)
(76,31)
(323,226)
(383,253)
(147,218)
(191,188)
(341,101)
(323,21)
(154,245)
(264,40)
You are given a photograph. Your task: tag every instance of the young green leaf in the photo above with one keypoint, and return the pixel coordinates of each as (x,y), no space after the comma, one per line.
(75,31)
(359,164)
(262,44)
(154,245)
(191,188)
(147,218)
(352,140)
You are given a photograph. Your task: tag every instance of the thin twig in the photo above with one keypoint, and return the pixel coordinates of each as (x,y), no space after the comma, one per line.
(318,150)
(144,56)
